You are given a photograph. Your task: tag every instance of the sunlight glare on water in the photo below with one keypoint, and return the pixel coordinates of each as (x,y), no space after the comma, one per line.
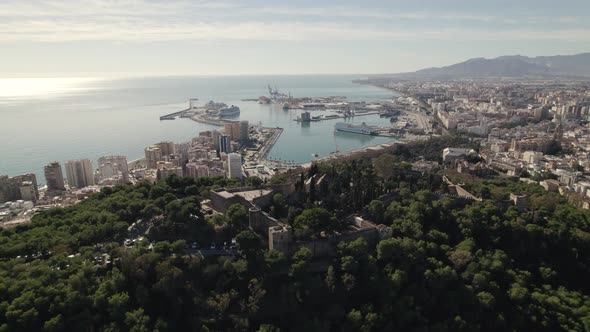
(32,87)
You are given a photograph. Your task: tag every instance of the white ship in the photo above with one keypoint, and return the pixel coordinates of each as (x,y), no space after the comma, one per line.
(357,129)
(229,111)
(211,105)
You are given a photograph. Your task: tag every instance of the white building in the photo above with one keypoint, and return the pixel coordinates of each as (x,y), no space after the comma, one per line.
(79,173)
(153,154)
(113,166)
(165,172)
(27,191)
(532,157)
(582,187)
(234,165)
(450,154)
(216,171)
(197,170)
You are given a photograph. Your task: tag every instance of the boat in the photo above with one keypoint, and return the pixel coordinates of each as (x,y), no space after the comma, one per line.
(286,106)
(352,128)
(211,105)
(229,111)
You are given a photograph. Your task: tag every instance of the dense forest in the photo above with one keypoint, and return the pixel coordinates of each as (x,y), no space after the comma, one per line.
(451,265)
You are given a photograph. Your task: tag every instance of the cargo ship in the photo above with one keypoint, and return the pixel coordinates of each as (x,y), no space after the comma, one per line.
(357,129)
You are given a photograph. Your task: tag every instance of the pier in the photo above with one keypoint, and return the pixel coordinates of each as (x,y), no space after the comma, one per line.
(202,119)
(174,115)
(270,143)
(338,116)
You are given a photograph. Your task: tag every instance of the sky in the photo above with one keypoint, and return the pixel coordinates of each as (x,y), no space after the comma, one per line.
(94,38)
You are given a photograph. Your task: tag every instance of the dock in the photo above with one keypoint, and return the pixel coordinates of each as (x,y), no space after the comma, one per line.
(269,144)
(202,119)
(338,116)
(174,115)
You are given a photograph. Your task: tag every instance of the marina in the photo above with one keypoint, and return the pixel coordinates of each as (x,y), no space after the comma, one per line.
(396,120)
(142,101)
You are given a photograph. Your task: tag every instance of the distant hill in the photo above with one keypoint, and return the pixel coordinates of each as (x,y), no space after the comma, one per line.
(577,65)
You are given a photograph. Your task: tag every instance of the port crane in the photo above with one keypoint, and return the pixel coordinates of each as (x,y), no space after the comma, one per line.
(275,94)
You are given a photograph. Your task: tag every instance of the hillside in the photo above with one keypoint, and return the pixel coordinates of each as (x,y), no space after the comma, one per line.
(516,66)
(449,264)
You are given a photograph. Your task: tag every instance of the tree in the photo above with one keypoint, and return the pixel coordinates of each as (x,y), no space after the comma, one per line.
(249,243)
(279,179)
(237,216)
(300,261)
(268,328)
(178,246)
(384,166)
(163,247)
(54,324)
(137,321)
(118,306)
(217,219)
(316,220)
(377,210)
(254,181)
(275,260)
(279,205)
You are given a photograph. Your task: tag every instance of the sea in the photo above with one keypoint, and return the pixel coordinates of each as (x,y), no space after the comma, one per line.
(58,119)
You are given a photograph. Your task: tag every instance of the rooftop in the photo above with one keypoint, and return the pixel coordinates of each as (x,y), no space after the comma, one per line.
(248,195)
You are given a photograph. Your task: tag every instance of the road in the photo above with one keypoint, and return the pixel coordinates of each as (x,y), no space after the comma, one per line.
(421,120)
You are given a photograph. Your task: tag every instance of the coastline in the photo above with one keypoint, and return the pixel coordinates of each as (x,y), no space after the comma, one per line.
(270,143)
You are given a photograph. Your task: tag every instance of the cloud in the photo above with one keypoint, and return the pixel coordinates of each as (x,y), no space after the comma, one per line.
(142,31)
(155,21)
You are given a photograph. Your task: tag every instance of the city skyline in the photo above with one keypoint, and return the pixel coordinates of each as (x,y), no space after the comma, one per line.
(135,38)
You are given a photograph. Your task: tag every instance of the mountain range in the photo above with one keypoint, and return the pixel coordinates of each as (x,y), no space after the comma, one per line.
(514,66)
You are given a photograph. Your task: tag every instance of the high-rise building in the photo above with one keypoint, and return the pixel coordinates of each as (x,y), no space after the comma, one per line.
(196,153)
(166,147)
(197,170)
(182,150)
(232,129)
(113,166)
(244,130)
(173,158)
(224,144)
(7,192)
(215,135)
(227,129)
(27,191)
(79,173)
(165,172)
(234,165)
(153,154)
(54,177)
(213,172)
(164,164)
(10,188)
(156,152)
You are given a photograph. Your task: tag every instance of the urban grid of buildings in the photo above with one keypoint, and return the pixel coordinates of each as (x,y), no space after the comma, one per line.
(533,129)
(536,130)
(211,153)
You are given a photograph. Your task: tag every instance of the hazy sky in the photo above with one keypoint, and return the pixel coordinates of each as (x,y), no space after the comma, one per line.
(152,37)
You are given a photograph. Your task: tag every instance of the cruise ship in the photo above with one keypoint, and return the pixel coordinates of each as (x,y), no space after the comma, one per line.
(357,129)
(229,111)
